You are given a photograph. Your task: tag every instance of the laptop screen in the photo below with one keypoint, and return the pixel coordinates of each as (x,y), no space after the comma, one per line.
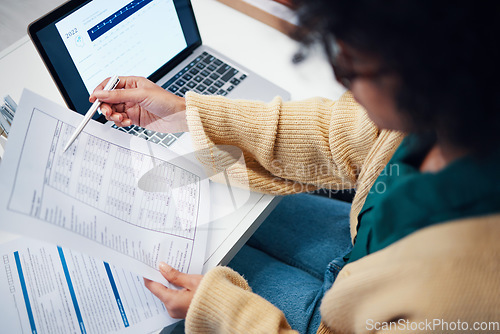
(84,42)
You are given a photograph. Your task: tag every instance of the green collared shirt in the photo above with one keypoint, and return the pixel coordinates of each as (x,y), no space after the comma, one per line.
(404,200)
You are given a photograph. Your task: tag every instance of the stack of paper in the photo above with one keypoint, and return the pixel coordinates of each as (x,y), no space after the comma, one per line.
(89,199)
(7,110)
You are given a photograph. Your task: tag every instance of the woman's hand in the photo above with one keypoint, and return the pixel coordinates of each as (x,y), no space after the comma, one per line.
(176,301)
(138,101)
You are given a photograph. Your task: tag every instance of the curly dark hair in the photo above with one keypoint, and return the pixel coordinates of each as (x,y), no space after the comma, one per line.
(445,52)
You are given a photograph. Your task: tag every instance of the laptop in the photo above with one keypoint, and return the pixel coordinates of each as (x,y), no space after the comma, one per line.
(82,42)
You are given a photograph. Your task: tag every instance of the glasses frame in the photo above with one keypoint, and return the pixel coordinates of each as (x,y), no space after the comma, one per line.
(341,64)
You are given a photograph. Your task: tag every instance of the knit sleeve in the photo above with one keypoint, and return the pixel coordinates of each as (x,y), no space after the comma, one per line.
(224,303)
(288,147)
(427,282)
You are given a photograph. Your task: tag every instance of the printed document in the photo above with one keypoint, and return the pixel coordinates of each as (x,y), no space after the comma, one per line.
(48,289)
(113,196)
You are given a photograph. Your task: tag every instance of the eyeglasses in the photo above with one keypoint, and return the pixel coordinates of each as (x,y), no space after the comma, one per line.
(342,64)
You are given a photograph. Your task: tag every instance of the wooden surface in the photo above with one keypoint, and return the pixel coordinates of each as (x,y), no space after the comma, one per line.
(262,15)
(15,15)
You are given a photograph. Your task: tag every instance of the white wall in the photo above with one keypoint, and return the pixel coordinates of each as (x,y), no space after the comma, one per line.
(15,15)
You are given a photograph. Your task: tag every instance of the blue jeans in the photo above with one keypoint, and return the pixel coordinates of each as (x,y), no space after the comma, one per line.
(295,256)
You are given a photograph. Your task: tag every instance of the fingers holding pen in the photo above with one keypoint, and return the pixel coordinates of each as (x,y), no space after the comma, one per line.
(126,91)
(125,82)
(120,119)
(123,123)
(107,110)
(137,100)
(115,113)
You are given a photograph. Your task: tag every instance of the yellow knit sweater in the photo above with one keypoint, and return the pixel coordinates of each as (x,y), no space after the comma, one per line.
(293,147)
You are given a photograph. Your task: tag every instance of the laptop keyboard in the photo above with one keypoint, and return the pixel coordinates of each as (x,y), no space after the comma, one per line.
(164,139)
(206,75)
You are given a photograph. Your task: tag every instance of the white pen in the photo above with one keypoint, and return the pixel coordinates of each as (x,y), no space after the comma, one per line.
(109,86)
